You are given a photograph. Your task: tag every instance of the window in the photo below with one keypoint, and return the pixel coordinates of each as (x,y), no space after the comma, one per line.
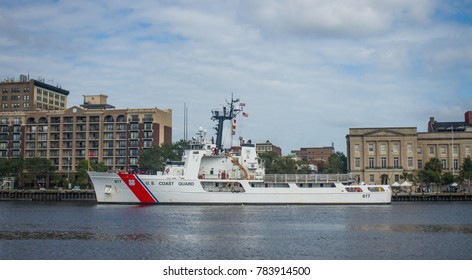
(443,150)
(109,127)
(409,148)
(134,126)
(410,162)
(384,162)
(396,162)
(456,164)
(148,126)
(356,148)
(395,147)
(108,135)
(467,151)
(454,150)
(443,164)
(397,178)
(431,151)
(358,162)
(383,148)
(371,178)
(371,148)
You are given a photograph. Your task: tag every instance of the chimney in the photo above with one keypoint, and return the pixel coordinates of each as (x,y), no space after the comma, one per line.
(468,117)
(431,124)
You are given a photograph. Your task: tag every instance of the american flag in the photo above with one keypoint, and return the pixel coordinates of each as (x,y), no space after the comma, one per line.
(242,104)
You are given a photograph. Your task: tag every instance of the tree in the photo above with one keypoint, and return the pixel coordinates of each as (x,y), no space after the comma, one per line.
(38,171)
(12,168)
(466,170)
(447,178)
(284,165)
(408,176)
(431,174)
(155,158)
(303,167)
(83,167)
(268,159)
(337,163)
(384,179)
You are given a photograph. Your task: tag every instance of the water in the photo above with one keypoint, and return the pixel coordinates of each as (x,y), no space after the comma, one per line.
(411,231)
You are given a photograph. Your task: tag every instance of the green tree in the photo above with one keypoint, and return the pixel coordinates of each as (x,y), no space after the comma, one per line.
(12,168)
(82,168)
(284,165)
(447,178)
(431,174)
(337,163)
(384,179)
(38,171)
(408,176)
(268,159)
(155,158)
(466,171)
(303,167)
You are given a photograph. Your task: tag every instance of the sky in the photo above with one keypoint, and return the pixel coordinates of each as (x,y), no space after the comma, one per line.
(307,70)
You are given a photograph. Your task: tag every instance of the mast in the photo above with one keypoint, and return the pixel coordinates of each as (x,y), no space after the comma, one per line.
(228,113)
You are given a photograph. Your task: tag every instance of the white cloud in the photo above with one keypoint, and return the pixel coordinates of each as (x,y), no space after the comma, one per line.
(308,70)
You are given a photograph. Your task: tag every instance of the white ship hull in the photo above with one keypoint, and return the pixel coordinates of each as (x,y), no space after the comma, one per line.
(152,189)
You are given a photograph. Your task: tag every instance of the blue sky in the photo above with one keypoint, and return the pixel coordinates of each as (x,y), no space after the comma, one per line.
(307,70)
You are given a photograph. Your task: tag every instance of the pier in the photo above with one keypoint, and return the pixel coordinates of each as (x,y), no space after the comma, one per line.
(48,195)
(431,197)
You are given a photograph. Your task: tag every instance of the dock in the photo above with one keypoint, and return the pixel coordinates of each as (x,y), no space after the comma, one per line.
(89,195)
(48,195)
(431,197)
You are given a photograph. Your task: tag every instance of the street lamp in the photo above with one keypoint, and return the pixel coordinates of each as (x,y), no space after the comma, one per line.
(69,166)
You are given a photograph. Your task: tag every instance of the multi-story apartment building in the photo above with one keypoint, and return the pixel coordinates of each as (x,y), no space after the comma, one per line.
(373,152)
(268,147)
(115,137)
(31,95)
(314,155)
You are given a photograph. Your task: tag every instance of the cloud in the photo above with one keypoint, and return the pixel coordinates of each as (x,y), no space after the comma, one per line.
(324,18)
(308,70)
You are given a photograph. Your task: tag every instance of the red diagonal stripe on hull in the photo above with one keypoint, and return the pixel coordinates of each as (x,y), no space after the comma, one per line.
(138,189)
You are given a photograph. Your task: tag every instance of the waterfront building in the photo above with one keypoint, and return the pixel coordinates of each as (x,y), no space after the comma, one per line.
(94,131)
(31,95)
(373,152)
(268,147)
(314,155)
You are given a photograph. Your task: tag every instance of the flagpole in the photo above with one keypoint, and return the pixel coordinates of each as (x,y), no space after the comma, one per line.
(452,148)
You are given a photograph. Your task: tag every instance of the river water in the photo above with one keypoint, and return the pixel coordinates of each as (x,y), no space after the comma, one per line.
(78,230)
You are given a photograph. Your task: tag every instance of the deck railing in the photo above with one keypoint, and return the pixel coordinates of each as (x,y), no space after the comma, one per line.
(306,178)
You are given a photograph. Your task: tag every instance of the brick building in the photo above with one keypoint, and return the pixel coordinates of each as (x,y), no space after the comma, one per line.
(114,136)
(314,155)
(31,95)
